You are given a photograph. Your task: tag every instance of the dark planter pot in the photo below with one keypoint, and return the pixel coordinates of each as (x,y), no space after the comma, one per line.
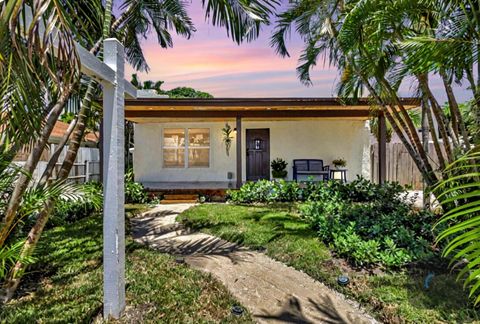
(279,174)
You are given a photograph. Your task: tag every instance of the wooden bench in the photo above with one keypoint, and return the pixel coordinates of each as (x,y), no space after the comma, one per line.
(310,167)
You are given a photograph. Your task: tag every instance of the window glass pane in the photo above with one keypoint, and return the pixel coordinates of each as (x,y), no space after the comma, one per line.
(174,137)
(199,137)
(174,148)
(198,157)
(198,147)
(174,158)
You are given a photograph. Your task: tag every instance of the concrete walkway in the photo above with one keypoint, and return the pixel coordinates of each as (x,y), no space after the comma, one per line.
(272,291)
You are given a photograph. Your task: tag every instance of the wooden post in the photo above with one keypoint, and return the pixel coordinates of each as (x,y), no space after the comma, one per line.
(87,171)
(113,184)
(382,149)
(239,152)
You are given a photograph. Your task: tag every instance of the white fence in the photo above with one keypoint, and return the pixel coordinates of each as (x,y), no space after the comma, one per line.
(86,166)
(81,172)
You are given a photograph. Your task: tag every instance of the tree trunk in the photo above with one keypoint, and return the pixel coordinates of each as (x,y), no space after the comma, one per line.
(29,246)
(36,231)
(455,111)
(410,128)
(452,104)
(116,24)
(428,176)
(56,154)
(476,97)
(440,117)
(79,131)
(425,141)
(436,144)
(30,165)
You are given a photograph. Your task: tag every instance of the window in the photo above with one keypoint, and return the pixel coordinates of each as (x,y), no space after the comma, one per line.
(195,153)
(174,148)
(198,147)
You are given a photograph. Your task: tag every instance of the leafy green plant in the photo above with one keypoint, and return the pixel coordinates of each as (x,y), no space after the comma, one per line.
(71,210)
(460,193)
(369,223)
(339,163)
(265,191)
(9,255)
(134,191)
(279,168)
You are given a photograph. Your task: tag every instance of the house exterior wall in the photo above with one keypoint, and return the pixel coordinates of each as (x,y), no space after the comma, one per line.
(325,139)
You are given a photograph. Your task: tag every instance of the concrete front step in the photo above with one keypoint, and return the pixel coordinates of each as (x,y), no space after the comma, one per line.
(178,201)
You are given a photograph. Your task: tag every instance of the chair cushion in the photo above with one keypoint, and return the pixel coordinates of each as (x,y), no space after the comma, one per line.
(301,165)
(316,165)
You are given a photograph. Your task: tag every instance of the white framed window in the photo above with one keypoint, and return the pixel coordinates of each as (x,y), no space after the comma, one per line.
(181,153)
(174,148)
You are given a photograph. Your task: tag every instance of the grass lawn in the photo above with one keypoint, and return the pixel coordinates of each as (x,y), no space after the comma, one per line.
(65,286)
(393,297)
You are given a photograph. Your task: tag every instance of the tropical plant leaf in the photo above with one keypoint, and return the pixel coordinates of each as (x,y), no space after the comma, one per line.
(462,235)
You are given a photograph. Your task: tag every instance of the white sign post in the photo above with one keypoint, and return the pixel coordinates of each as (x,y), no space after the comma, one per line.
(113,183)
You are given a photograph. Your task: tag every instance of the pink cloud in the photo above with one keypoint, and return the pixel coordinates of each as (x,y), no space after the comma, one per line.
(211,62)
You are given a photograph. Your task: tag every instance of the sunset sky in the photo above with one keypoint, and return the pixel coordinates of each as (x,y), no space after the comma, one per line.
(212,62)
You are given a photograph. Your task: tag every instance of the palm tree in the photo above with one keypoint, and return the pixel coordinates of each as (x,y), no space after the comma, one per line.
(35,88)
(378,44)
(462,222)
(367,41)
(242,20)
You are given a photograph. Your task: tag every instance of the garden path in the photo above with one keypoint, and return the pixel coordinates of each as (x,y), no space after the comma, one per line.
(270,290)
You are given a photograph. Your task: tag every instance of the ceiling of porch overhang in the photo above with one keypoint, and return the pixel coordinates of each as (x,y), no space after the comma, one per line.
(148,110)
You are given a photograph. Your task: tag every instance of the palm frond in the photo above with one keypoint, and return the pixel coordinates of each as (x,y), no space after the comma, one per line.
(461,192)
(241,18)
(9,255)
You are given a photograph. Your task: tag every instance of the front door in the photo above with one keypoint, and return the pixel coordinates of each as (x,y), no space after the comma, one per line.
(258,154)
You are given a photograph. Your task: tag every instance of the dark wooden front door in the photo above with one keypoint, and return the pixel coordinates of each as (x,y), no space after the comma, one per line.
(258,154)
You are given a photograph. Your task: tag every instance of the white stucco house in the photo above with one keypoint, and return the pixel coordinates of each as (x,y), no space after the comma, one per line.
(179,142)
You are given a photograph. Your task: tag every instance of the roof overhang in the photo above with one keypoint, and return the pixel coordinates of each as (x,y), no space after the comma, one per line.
(168,109)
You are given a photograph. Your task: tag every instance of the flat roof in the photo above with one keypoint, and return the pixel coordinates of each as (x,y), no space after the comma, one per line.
(165,109)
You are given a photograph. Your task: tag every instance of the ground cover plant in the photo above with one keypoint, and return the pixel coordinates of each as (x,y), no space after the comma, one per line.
(134,192)
(65,284)
(264,191)
(396,295)
(364,222)
(371,224)
(69,211)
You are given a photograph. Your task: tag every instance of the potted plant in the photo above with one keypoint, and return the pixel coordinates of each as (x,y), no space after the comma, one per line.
(279,168)
(339,163)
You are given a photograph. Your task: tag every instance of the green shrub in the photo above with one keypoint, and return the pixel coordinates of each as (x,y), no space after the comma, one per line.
(265,191)
(364,222)
(69,211)
(369,223)
(134,191)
